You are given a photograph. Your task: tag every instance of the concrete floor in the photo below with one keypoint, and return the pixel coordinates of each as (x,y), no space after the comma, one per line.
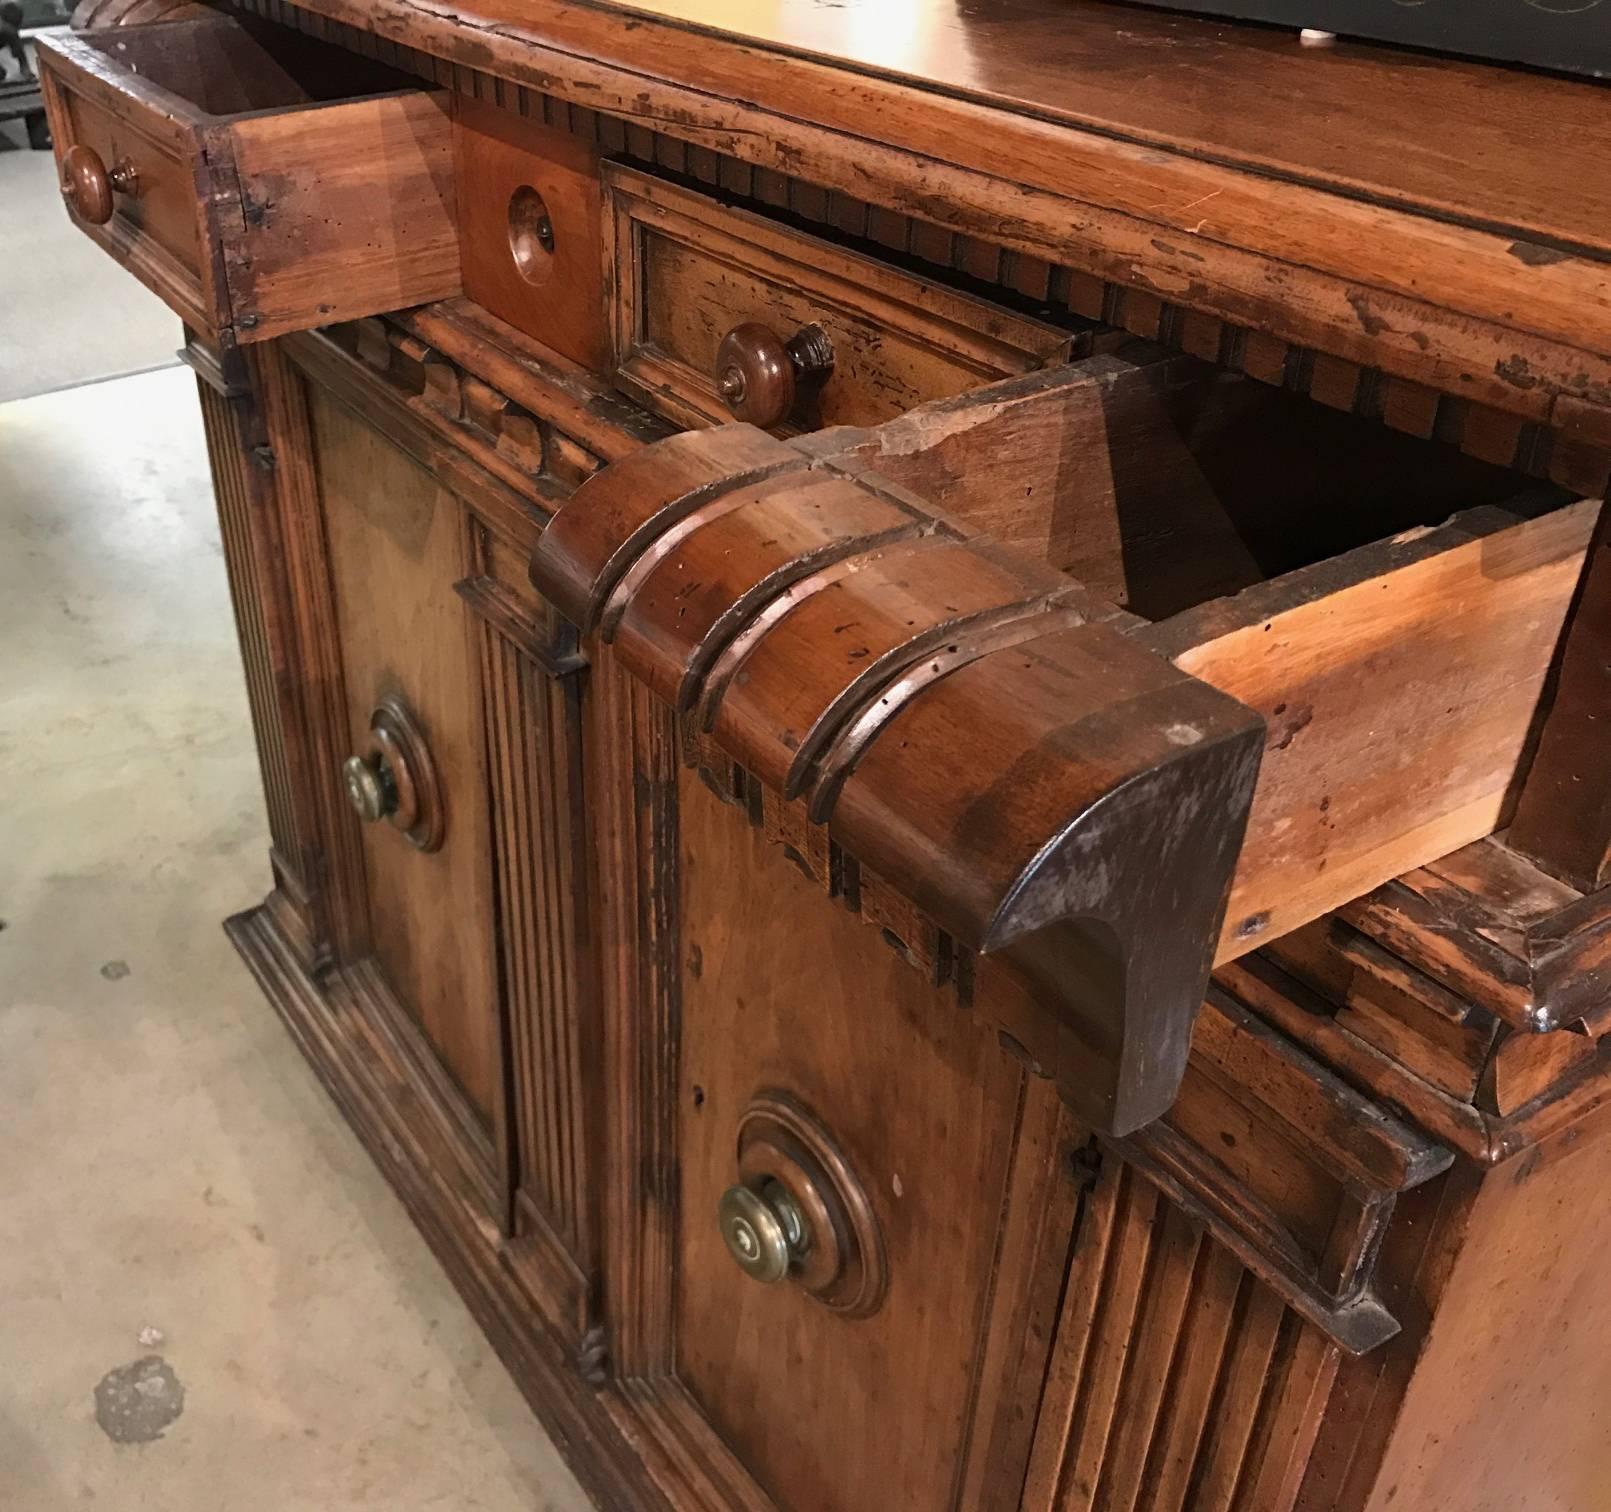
(68,312)
(178,1194)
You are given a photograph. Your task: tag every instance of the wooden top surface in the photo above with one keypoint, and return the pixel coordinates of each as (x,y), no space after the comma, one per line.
(1439,221)
(1503,148)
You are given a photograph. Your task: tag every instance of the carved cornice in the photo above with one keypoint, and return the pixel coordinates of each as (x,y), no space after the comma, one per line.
(1569,445)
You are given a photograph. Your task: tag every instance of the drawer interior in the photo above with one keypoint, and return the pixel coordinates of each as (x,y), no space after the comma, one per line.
(1161,481)
(223,67)
(1388,605)
(259,181)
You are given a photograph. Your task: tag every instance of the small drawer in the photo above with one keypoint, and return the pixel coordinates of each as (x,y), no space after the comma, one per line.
(814,335)
(258,181)
(530,222)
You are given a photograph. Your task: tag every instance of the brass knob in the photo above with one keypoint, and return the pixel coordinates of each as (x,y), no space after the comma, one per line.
(88,185)
(760,377)
(764,1230)
(395,778)
(371,788)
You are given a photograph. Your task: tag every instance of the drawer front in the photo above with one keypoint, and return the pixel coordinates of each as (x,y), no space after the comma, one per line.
(816,1055)
(256,180)
(689,271)
(531,221)
(157,230)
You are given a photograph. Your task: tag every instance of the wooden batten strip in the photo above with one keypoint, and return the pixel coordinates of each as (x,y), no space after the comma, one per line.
(1294,1402)
(1178,1382)
(1171,1281)
(1240,1391)
(1084,1297)
(1123,1289)
(1199,1360)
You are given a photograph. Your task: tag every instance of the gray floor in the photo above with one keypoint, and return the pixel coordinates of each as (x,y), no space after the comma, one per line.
(68,312)
(182,1211)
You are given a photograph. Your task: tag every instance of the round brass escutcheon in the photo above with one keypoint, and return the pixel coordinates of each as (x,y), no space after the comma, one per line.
(531,235)
(88,184)
(760,377)
(799,1213)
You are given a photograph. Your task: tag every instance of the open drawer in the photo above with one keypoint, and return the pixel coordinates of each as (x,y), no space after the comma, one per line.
(258,181)
(1113,672)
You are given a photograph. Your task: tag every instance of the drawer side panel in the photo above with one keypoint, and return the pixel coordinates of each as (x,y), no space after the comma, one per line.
(343,211)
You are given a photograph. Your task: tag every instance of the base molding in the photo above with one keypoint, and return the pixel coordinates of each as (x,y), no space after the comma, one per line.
(325,1021)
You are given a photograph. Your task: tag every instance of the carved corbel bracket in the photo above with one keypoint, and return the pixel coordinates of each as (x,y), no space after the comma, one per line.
(973,726)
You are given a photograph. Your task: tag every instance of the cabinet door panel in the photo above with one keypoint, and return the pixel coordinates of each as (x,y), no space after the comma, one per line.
(397,546)
(785,991)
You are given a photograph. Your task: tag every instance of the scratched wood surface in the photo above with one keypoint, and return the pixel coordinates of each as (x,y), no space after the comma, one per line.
(1385,1119)
(1492,146)
(279,183)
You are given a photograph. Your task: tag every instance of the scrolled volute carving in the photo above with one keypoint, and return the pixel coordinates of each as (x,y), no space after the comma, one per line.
(974,726)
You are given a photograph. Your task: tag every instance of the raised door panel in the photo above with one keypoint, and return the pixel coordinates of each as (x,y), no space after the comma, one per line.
(787,997)
(397,545)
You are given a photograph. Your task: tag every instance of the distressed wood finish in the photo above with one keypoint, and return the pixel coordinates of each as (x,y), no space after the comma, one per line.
(266,199)
(396,549)
(1568,446)
(252,532)
(1563,820)
(1086,1191)
(969,1133)
(532,728)
(1277,1220)
(688,271)
(1202,477)
(1522,1310)
(1289,1167)
(1178,1381)
(512,176)
(1492,928)
(1308,263)
(724,567)
(1386,676)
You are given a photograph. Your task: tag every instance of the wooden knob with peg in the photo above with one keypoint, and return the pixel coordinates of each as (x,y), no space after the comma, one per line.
(88,184)
(760,376)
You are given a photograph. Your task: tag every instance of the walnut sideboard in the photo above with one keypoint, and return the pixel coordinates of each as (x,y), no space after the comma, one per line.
(932,684)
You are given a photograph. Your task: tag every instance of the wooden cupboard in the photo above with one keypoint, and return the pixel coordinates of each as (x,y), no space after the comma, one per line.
(897,831)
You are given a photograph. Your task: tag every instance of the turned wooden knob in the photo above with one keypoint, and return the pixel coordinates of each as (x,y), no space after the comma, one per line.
(760,376)
(88,184)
